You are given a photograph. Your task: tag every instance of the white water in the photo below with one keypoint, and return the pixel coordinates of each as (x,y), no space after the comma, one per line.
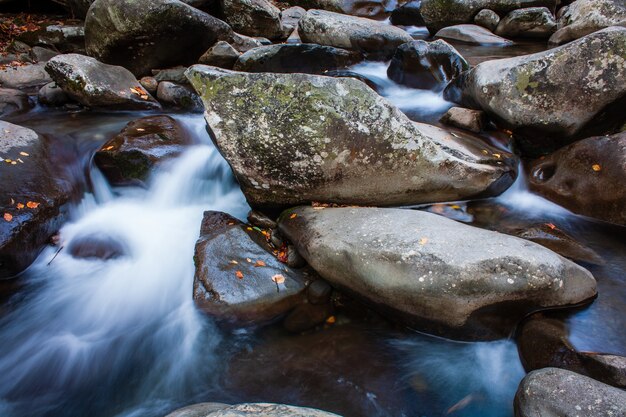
(91,325)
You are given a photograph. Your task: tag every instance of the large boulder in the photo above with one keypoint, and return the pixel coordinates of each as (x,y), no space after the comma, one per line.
(63,38)
(141,35)
(426,65)
(94,84)
(408,14)
(129,157)
(35,194)
(237,277)
(297,138)
(583,17)
(438,14)
(532,22)
(374,9)
(374,39)
(306,58)
(222,55)
(586,177)
(24,77)
(248,409)
(557,392)
(472,34)
(487,19)
(253,17)
(429,270)
(532,94)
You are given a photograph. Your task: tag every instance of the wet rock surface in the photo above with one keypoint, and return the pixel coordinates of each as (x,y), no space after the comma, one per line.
(94,84)
(413,264)
(237,278)
(408,14)
(26,77)
(553,391)
(472,120)
(149,34)
(248,409)
(128,158)
(487,19)
(317,139)
(472,34)
(374,39)
(13,101)
(533,22)
(303,58)
(253,17)
(531,94)
(583,17)
(180,96)
(586,177)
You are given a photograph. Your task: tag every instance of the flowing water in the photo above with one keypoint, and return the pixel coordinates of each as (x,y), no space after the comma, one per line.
(122,337)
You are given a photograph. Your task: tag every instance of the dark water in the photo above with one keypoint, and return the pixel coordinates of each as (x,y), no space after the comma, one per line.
(122,338)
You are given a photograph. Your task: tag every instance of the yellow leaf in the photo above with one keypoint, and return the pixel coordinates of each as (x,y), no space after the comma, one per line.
(20,206)
(423,241)
(278,278)
(596,167)
(331,320)
(32,205)
(293,216)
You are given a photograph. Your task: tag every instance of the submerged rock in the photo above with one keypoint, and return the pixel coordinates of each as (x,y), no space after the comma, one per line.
(586,177)
(335,140)
(583,17)
(428,270)
(253,17)
(13,101)
(439,14)
(103,247)
(94,84)
(532,94)
(34,197)
(129,157)
(557,392)
(141,35)
(426,65)
(304,58)
(236,278)
(375,39)
(533,22)
(472,34)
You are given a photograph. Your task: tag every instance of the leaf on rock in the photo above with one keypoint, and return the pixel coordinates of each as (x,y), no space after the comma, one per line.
(293,216)
(596,167)
(278,278)
(32,205)
(239,274)
(259,263)
(8,217)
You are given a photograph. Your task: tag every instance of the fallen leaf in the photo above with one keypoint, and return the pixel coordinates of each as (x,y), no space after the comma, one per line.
(32,205)
(24,154)
(8,217)
(259,263)
(293,216)
(552,226)
(139,129)
(331,320)
(234,262)
(278,278)
(248,259)
(455,206)
(423,241)
(239,274)
(596,167)
(19,206)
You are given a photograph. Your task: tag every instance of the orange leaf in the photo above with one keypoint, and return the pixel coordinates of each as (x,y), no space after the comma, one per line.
(8,217)
(596,167)
(259,263)
(293,216)
(331,320)
(278,278)
(239,274)
(19,206)
(32,205)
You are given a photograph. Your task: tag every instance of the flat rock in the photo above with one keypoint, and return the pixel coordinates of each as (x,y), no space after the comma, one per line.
(375,39)
(532,22)
(128,158)
(428,270)
(234,279)
(557,392)
(141,35)
(532,94)
(586,177)
(472,120)
(24,77)
(326,139)
(472,34)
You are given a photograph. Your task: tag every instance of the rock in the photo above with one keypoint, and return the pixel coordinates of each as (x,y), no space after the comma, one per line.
(294,37)
(586,177)
(103,247)
(240,291)
(533,22)
(24,77)
(335,140)
(374,39)
(244,43)
(487,19)
(35,196)
(222,55)
(13,101)
(532,94)
(294,259)
(306,316)
(544,342)
(43,54)
(587,16)
(197,410)
(128,158)
(52,95)
(63,38)
(472,34)
(374,9)
(439,14)
(150,84)
(94,84)
(175,75)
(78,8)
(289,19)
(472,120)
(263,409)
(253,17)
(146,34)
(428,270)
(408,14)
(304,58)
(319,292)
(426,65)
(259,219)
(557,392)
(180,96)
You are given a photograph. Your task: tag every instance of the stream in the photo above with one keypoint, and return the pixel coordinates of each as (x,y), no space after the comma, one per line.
(122,337)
